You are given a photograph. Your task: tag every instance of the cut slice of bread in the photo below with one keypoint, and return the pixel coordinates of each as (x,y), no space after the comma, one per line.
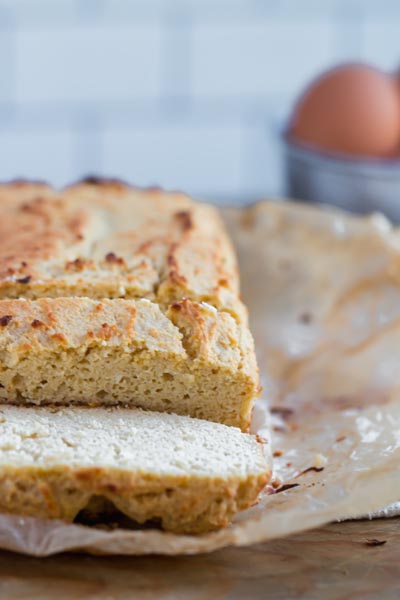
(194,360)
(191,476)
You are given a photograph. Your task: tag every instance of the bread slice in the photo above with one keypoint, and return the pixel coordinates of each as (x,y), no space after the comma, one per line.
(110,294)
(192,360)
(191,476)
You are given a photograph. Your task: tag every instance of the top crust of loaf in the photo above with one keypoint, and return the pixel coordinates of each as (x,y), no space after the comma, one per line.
(104,239)
(188,330)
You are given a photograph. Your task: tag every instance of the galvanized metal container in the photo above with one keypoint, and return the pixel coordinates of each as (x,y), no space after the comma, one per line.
(356,184)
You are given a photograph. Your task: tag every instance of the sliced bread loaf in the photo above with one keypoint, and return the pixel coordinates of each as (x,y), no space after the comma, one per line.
(113,295)
(189,475)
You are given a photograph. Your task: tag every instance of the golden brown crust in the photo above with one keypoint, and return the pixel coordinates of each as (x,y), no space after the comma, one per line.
(69,322)
(181,504)
(109,240)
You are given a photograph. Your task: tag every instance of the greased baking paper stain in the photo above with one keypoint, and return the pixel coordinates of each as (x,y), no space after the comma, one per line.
(323,291)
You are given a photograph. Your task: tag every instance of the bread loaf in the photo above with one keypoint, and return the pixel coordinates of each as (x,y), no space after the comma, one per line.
(114,295)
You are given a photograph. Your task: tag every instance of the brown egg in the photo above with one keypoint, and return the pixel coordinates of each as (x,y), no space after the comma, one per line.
(396,76)
(352,109)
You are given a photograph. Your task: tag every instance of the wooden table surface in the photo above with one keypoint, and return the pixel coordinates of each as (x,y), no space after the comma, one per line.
(333,562)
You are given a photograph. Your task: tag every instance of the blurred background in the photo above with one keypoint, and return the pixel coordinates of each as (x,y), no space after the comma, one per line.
(184,94)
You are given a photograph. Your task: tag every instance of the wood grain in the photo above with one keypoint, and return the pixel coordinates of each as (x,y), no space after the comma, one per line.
(330,563)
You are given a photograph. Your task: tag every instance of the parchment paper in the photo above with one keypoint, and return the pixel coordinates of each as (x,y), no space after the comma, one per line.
(323,289)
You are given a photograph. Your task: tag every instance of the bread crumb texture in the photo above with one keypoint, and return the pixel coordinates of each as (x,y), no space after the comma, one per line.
(116,295)
(190,475)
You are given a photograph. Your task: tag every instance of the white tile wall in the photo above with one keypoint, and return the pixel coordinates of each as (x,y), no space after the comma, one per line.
(254,59)
(36,12)
(202,161)
(381,43)
(7,66)
(262,162)
(181,93)
(28,154)
(88,63)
